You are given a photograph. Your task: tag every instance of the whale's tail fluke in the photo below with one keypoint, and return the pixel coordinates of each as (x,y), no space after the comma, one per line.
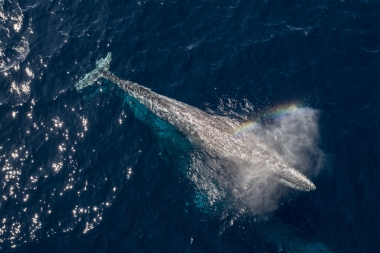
(102,65)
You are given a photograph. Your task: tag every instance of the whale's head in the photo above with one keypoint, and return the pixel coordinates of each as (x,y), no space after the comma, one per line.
(291,177)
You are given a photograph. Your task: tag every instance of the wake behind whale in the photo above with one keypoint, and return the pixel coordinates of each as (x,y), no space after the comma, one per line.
(212,134)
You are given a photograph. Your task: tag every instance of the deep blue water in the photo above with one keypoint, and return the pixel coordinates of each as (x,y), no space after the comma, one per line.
(83,172)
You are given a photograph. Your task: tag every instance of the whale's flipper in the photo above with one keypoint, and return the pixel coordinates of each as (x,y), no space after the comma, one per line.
(102,65)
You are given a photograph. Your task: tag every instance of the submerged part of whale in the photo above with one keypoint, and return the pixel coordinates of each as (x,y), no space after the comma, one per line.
(213,134)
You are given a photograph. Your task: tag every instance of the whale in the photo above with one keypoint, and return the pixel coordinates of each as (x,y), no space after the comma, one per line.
(214,134)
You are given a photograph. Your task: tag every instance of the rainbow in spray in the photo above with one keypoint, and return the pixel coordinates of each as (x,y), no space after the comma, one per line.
(272,115)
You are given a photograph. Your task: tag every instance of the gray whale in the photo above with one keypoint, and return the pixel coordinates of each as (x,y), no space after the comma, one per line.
(211,133)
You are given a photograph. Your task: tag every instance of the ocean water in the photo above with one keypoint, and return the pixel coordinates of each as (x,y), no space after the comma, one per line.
(92,171)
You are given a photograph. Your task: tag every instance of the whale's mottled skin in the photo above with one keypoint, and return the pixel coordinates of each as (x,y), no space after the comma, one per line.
(211,133)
